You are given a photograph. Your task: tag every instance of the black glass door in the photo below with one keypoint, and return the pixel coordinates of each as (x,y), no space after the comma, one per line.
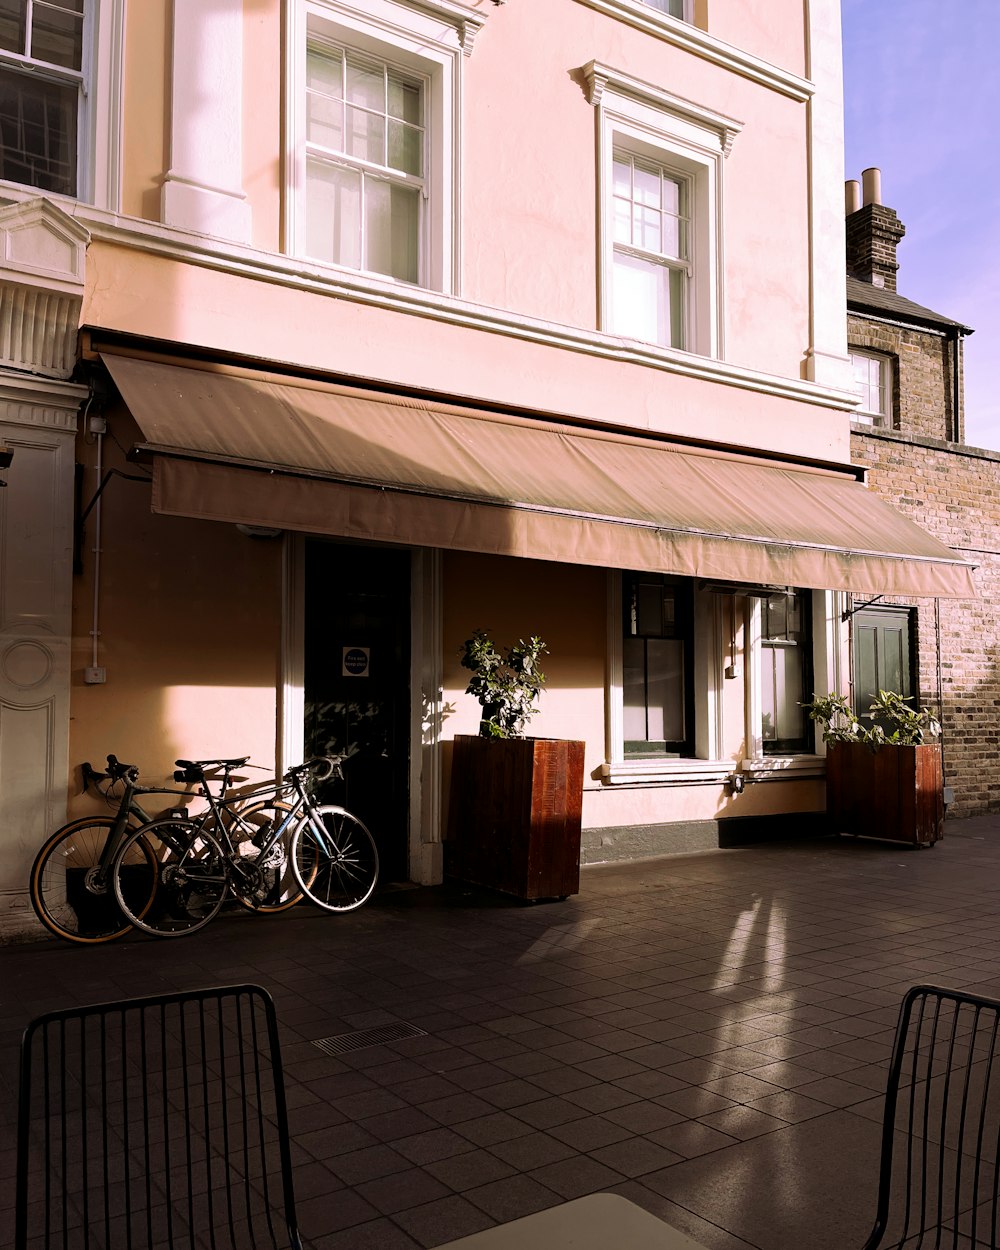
(357,685)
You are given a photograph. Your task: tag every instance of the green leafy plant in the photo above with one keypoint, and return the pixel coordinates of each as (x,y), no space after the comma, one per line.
(893,721)
(506,683)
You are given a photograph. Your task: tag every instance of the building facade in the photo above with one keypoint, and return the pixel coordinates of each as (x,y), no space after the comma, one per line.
(909,435)
(337,329)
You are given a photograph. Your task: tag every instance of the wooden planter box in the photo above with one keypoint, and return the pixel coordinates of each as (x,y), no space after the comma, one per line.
(515,814)
(892,792)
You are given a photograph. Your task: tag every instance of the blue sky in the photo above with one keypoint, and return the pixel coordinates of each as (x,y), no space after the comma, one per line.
(920,97)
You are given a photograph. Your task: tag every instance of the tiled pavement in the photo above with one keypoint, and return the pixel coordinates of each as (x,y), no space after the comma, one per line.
(706,1034)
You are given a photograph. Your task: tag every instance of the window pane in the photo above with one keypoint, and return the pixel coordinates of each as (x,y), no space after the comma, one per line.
(365,136)
(57,34)
(646,229)
(12,25)
(406,148)
(622,210)
(622,177)
(674,7)
(665,684)
(391,226)
(38,133)
(324,73)
(781,694)
(647,186)
(634,690)
(405,101)
(333,214)
(325,121)
(648,301)
(366,84)
(649,608)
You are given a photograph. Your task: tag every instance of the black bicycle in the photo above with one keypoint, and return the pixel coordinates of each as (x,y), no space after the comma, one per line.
(70,884)
(322,851)
(71,887)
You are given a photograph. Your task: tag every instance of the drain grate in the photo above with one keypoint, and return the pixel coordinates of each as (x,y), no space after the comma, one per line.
(360,1038)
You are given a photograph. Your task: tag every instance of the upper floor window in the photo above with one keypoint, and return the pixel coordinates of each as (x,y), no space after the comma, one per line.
(365,162)
(41,92)
(650,269)
(873,382)
(374,136)
(660,162)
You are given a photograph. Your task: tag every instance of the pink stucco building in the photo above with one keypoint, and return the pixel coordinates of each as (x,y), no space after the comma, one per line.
(377,321)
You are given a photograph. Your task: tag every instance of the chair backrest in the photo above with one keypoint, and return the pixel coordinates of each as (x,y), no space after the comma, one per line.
(155,1122)
(941,1128)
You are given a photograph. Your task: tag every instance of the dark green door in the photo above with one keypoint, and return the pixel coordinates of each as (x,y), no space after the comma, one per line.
(357,685)
(882,649)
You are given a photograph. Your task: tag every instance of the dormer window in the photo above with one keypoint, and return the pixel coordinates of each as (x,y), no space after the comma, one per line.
(873,382)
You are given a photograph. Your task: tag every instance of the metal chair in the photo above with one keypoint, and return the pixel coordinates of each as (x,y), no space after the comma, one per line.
(155,1122)
(938,1181)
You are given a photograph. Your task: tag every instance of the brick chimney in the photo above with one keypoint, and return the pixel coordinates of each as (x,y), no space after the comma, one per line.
(873,231)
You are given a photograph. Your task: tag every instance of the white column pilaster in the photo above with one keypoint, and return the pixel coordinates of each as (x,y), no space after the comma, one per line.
(203,189)
(826,355)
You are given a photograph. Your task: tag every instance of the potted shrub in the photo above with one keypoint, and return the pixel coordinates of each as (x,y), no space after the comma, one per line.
(516,803)
(884,774)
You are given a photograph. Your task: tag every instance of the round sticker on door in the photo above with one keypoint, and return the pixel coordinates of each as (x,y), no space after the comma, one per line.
(356,660)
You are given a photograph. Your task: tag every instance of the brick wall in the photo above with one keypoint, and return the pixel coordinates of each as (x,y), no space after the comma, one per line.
(923,397)
(953,492)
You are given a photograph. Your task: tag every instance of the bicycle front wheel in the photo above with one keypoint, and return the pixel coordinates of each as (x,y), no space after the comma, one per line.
(191,877)
(71,887)
(334,859)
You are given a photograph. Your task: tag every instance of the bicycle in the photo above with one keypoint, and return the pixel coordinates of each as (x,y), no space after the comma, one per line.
(332,856)
(70,882)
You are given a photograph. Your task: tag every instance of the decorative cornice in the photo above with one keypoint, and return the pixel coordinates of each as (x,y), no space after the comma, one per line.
(158,240)
(468,22)
(42,274)
(601,78)
(691,39)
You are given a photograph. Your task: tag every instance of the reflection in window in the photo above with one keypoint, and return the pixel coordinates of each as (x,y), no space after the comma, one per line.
(365,163)
(873,382)
(650,251)
(656,665)
(41,84)
(786,671)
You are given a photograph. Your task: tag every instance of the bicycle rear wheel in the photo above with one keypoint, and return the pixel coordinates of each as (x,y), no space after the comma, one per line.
(190,882)
(71,895)
(334,858)
(270,885)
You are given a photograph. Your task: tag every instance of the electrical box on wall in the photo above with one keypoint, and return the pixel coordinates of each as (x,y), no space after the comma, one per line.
(95,675)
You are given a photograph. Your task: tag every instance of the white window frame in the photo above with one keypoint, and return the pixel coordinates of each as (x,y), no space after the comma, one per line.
(828,639)
(430,43)
(690,143)
(686,7)
(881,418)
(706,764)
(99,109)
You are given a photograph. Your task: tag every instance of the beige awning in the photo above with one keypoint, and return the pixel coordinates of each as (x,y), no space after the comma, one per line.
(261,449)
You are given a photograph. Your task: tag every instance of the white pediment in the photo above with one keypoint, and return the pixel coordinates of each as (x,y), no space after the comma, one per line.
(41,246)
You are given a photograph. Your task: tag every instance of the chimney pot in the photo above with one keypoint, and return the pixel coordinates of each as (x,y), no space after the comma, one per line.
(852,196)
(871,181)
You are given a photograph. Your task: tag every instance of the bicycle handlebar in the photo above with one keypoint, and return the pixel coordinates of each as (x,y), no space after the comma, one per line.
(117,771)
(322,768)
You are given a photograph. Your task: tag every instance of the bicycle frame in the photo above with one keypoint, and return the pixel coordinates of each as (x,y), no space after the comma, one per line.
(128,806)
